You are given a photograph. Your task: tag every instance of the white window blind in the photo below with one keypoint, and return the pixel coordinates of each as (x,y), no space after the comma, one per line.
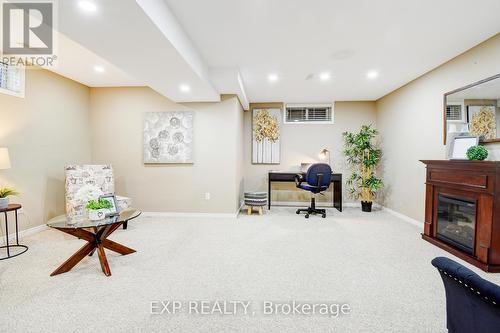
(11,80)
(454,112)
(308,113)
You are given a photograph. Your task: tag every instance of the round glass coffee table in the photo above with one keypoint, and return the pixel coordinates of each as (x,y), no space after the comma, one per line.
(96,234)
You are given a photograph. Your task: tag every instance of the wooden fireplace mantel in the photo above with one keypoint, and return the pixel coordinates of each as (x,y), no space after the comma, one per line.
(477,181)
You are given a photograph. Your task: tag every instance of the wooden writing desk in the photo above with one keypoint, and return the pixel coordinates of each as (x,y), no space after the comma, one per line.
(289,176)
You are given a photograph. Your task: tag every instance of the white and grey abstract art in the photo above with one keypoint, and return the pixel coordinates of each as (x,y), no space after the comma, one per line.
(168,137)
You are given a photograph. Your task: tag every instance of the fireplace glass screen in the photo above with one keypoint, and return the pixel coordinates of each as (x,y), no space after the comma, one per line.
(456,222)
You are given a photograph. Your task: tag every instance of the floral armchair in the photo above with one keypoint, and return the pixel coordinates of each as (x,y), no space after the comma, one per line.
(87,182)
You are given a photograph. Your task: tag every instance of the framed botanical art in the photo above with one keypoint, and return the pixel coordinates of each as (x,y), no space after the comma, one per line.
(482,120)
(266,133)
(168,137)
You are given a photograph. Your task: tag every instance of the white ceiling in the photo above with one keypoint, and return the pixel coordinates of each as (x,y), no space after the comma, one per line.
(77,63)
(295,38)
(142,39)
(231,46)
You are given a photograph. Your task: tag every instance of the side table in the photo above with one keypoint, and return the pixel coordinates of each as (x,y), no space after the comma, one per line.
(11,208)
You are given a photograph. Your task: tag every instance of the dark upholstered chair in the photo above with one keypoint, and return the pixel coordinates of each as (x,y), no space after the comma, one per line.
(317,180)
(472,303)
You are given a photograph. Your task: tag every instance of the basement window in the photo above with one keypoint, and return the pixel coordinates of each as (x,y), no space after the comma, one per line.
(455,112)
(11,80)
(309,113)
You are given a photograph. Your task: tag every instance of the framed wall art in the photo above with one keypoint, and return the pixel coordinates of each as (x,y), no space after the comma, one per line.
(168,137)
(266,133)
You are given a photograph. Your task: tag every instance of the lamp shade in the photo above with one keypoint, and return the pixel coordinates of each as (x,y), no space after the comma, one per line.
(322,153)
(4,158)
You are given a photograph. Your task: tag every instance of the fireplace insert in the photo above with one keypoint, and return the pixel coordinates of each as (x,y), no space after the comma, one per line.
(456,222)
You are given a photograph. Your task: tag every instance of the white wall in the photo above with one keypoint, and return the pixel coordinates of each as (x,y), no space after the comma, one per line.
(411,122)
(116,127)
(44,131)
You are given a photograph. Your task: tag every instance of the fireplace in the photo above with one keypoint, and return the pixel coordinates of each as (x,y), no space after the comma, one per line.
(456,222)
(462,210)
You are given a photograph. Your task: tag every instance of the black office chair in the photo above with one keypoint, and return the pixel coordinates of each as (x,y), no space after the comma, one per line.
(472,303)
(317,180)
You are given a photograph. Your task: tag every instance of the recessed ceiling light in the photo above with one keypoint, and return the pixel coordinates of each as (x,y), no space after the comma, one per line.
(272,77)
(324,76)
(372,75)
(99,69)
(184,88)
(87,6)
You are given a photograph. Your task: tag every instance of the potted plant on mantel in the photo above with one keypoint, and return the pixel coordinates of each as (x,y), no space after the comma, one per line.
(363,157)
(98,209)
(5,193)
(477,153)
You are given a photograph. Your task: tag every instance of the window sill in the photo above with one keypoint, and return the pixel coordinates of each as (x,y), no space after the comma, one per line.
(12,93)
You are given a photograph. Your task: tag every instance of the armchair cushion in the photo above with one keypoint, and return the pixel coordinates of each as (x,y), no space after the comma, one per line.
(311,188)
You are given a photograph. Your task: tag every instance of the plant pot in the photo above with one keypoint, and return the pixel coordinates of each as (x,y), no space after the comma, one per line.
(366,206)
(4,202)
(97,214)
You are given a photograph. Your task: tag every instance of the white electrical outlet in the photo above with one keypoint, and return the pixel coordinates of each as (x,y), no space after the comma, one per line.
(207,196)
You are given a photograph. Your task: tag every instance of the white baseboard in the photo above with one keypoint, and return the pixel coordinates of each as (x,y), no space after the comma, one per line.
(194,214)
(242,204)
(403,217)
(23,233)
(182,214)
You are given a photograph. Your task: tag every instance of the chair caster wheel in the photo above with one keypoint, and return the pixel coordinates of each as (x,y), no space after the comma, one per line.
(307,216)
(323,216)
(297,212)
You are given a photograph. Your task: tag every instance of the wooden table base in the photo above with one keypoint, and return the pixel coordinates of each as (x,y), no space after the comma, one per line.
(96,241)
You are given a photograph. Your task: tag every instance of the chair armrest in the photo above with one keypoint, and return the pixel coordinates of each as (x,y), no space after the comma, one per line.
(298,179)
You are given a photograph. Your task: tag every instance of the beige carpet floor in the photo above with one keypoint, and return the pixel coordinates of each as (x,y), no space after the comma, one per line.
(375,262)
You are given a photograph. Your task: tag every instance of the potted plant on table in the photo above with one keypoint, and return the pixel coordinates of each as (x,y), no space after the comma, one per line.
(5,193)
(363,156)
(98,209)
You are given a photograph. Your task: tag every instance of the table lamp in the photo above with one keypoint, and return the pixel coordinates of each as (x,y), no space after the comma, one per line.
(322,155)
(4,159)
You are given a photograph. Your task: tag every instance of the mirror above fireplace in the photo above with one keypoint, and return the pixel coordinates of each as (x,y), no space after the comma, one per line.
(474,110)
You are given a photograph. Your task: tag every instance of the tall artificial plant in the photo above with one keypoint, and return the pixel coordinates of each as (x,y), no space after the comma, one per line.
(363,156)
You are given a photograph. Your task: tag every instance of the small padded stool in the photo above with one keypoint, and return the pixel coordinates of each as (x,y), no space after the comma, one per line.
(255,199)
